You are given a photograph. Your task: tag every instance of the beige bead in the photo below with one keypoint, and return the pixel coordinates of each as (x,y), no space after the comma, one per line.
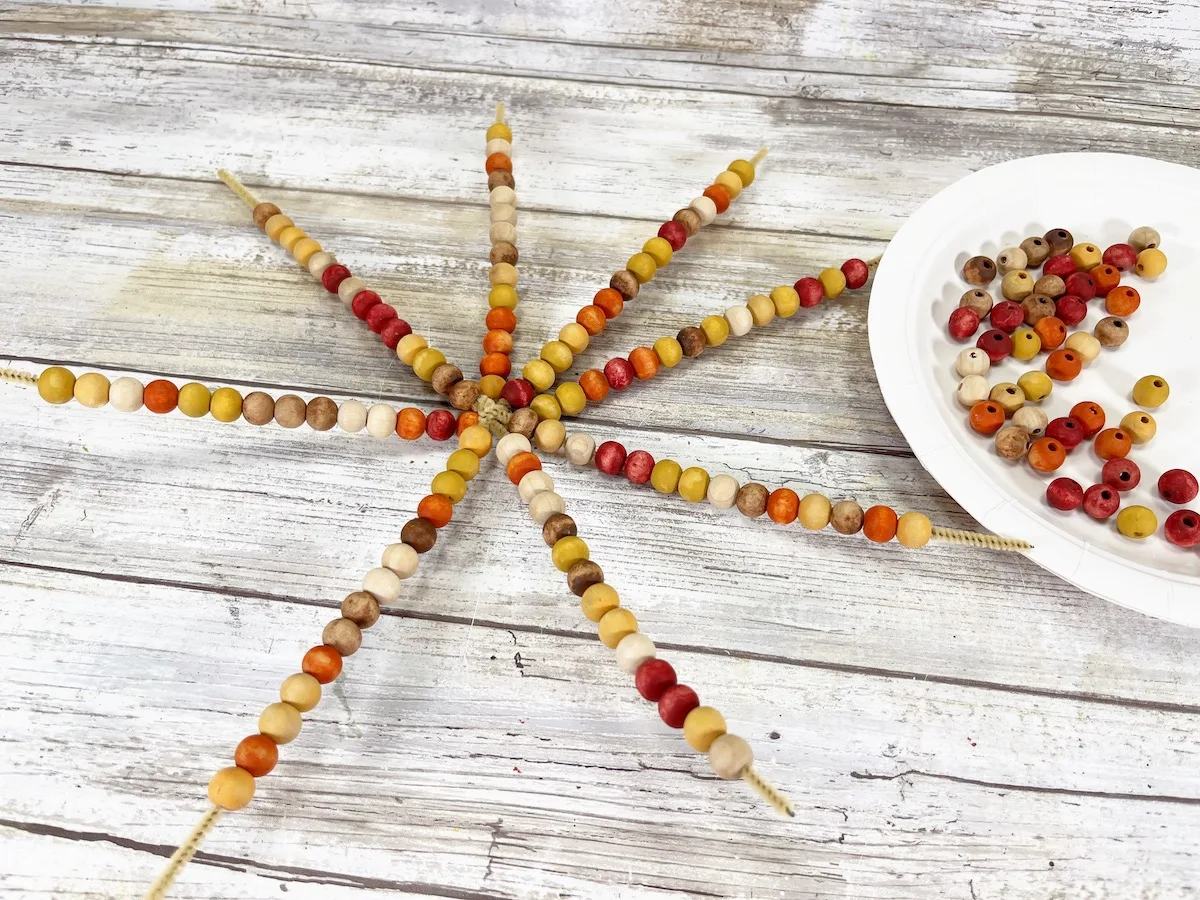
(281,722)
(502,232)
(502,193)
(549,435)
(534,483)
(705,209)
(91,390)
(1008,396)
(319,262)
(722,491)
(352,416)
(971,390)
(498,145)
(361,608)
(402,560)
(125,395)
(1032,419)
(301,691)
(814,512)
(523,421)
(740,320)
(1144,238)
(544,505)
(343,636)
(762,309)
(575,336)
(510,445)
(730,181)
(381,421)
(846,517)
(383,584)
(580,449)
(231,789)
(1083,343)
(633,650)
(914,530)
(1011,260)
(349,289)
(730,756)
(504,212)
(503,273)
(972,361)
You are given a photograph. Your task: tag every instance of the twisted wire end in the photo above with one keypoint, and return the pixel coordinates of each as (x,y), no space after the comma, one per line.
(231,182)
(184,854)
(976,539)
(493,414)
(778,802)
(16,376)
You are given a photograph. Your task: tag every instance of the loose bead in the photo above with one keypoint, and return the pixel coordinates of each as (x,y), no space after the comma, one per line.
(1084,344)
(809,291)
(654,678)
(1031,419)
(383,584)
(323,663)
(913,530)
(361,608)
(739,319)
(125,395)
(1071,310)
(616,625)
(550,434)
(846,516)
(879,524)
(693,484)
(450,484)
(676,703)
(1112,443)
(301,690)
(1046,454)
(1026,344)
(290,411)
(556,527)
(986,417)
(1144,238)
(1122,301)
(669,350)
(1111,332)
(402,561)
(580,448)
(1137,522)
(259,409)
(761,309)
(730,756)
(1151,391)
(510,446)
(786,301)
(1178,486)
(1121,474)
(381,420)
(1036,251)
(1064,494)
(232,788)
(545,505)
(462,462)
(722,491)
(716,330)
(1012,443)
(963,323)
(1016,286)
(567,552)
(226,406)
(419,534)
(782,506)
(620,373)
(644,362)
(1006,316)
(972,361)
(1140,427)
(1090,415)
(633,650)
(1036,386)
(1037,307)
(665,477)
(1100,501)
(194,400)
(1008,396)
(691,341)
(1182,528)
(597,600)
(1011,260)
(582,575)
(857,272)
(257,754)
(1059,240)
(1051,286)
(972,390)
(978,270)
(702,726)
(280,722)
(1063,365)
(1150,263)
(1121,257)
(996,344)
(1086,256)
(520,465)
(814,512)
(705,208)
(1105,278)
(319,262)
(752,500)
(978,301)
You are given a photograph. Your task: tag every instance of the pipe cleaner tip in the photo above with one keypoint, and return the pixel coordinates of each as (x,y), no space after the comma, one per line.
(778,801)
(759,156)
(500,113)
(235,185)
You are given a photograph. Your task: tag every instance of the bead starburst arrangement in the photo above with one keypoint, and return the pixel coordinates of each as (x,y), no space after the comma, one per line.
(523,416)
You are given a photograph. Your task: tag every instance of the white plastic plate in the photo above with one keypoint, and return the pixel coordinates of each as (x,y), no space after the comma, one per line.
(1098,197)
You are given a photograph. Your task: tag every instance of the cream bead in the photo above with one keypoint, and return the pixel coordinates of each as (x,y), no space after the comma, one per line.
(762,309)
(349,289)
(633,650)
(301,691)
(580,449)
(401,560)
(352,417)
(705,209)
(1085,344)
(502,232)
(549,435)
(544,505)
(498,145)
(504,212)
(971,390)
(731,182)
(319,262)
(91,390)
(972,361)
(510,445)
(730,756)
(503,273)
(740,320)
(534,483)
(503,194)
(1033,419)
(125,395)
(381,421)
(408,348)
(722,491)
(281,722)
(382,584)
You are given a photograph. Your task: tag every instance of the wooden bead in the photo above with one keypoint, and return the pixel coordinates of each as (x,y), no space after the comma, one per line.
(1037,307)
(582,575)
(544,505)
(597,600)
(879,524)
(262,212)
(1151,263)
(702,726)
(125,395)
(977,300)
(520,465)
(498,131)
(1144,238)
(693,484)
(1140,426)
(664,477)
(343,635)
(226,405)
(705,208)
(349,288)
(740,320)
(323,663)
(814,512)
(408,348)
(258,408)
(499,177)
(231,788)
(321,413)
(1137,522)
(319,262)
(445,377)
(786,300)
(643,267)
(690,220)
(463,395)
(1016,286)
(463,463)
(419,534)
(972,361)
(1051,286)
(402,560)
(1036,386)
(572,400)
(361,608)
(194,400)
(1084,344)
(1086,256)
(846,516)
(913,530)
(426,361)
(782,505)
(626,284)
(567,552)
(503,252)
(1059,241)
(633,650)
(257,753)
(1031,419)
(580,449)
(744,170)
(304,250)
(276,225)
(658,249)
(833,281)
(692,341)
(971,390)
(1036,251)
(383,584)
(381,421)
(752,500)
(556,527)
(1111,331)
(1011,260)
(523,422)
(615,625)
(301,690)
(978,270)
(722,491)
(730,756)
(1008,396)
(1151,391)
(502,193)
(670,351)
(91,390)
(675,704)
(290,411)
(762,310)
(549,435)
(716,330)
(280,722)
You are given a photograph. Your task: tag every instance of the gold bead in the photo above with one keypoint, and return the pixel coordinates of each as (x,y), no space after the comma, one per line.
(703,725)
(301,690)
(56,385)
(231,788)
(281,722)
(616,624)
(91,390)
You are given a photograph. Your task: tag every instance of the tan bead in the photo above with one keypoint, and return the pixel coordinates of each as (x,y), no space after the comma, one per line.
(91,390)
(502,232)
(730,756)
(1037,251)
(1051,286)
(125,394)
(814,512)
(1008,396)
(321,414)
(231,788)
(290,411)
(503,252)
(301,691)
(462,394)
(502,193)
(1012,443)
(1111,331)
(846,516)
(510,445)
(703,725)
(1011,260)
(350,288)
(549,435)
(319,262)
(914,530)
(977,300)
(1086,345)
(690,220)
(625,283)
(281,722)
(445,377)
(523,422)
(342,635)
(1031,419)
(361,608)
(762,309)
(582,575)
(752,500)
(1144,238)
(1017,285)
(258,408)
(971,390)
(504,212)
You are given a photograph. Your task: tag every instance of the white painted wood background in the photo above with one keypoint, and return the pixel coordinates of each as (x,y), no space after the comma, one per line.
(949,723)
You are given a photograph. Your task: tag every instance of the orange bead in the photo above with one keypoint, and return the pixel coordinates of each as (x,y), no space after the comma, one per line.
(987,417)
(879,524)
(594,384)
(256,754)
(521,465)
(1047,454)
(783,505)
(436,510)
(1052,331)
(502,319)
(410,423)
(322,663)
(1106,278)
(1122,301)
(1090,414)
(1113,443)
(644,362)
(592,318)
(1064,365)
(718,195)
(498,341)
(610,301)
(497,161)
(160,396)
(466,420)
(495,364)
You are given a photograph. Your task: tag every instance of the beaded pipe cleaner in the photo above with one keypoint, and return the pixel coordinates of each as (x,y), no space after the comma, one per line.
(501,319)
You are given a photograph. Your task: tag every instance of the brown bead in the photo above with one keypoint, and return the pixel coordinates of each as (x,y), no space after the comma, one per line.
(752,500)
(1111,331)
(258,408)
(503,252)
(445,377)
(1059,240)
(692,341)
(978,270)
(361,608)
(290,411)
(1012,442)
(523,421)
(342,635)
(977,300)
(1037,251)
(846,517)
(321,414)
(582,575)
(499,177)
(264,211)
(419,534)
(625,283)
(1037,307)
(1050,286)
(559,525)
(690,220)
(464,394)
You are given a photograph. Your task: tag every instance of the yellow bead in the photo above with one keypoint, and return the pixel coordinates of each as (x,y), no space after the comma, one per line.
(503,296)
(814,512)
(91,390)
(559,356)
(659,250)
(539,373)
(1086,256)
(56,385)
(574,336)
(1137,522)
(499,131)
(226,405)
(503,273)
(743,169)
(477,439)
(546,407)
(426,361)
(491,386)
(464,462)
(834,282)
(665,476)
(568,551)
(1151,263)
(231,788)
(305,249)
(301,690)
(571,398)
(281,722)
(408,348)
(730,181)
(693,484)
(1008,396)
(1035,386)
(549,435)
(1140,426)
(1085,344)
(762,310)
(597,600)
(616,624)
(669,351)
(716,329)
(451,484)
(914,529)
(1151,391)
(786,301)
(275,225)
(702,726)
(194,400)
(290,237)
(643,267)
(1026,344)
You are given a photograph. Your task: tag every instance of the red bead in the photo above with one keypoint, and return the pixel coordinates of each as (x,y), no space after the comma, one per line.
(1178,486)
(1082,285)
(856,273)
(811,292)
(394,331)
(518,392)
(964,323)
(1067,431)
(638,466)
(1182,528)
(1100,501)
(619,372)
(440,424)
(379,315)
(362,303)
(1065,494)
(674,234)
(653,678)
(333,276)
(610,457)
(1121,473)
(996,344)
(1007,315)
(1120,256)
(675,704)
(1071,310)
(1062,266)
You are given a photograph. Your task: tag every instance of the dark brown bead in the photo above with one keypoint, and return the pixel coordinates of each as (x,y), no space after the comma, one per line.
(1037,251)
(752,500)
(1050,286)
(625,283)
(258,408)
(445,377)
(846,517)
(499,177)
(1012,442)
(1059,240)
(583,575)
(690,220)
(321,414)
(978,270)
(1037,307)
(361,608)
(290,411)
(419,534)
(264,211)
(559,525)
(1111,331)
(978,300)
(692,341)
(523,421)
(464,394)
(503,252)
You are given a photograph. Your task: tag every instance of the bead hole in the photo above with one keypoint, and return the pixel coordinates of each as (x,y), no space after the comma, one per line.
(1061,233)
(1105,495)
(1144,420)
(1120,436)
(1189,522)
(1124,476)
(1158,384)
(1052,447)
